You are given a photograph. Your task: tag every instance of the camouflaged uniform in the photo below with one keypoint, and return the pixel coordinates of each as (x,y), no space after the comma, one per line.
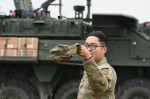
(98,81)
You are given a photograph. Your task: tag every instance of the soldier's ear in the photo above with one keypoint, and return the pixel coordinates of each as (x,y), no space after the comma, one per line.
(105,49)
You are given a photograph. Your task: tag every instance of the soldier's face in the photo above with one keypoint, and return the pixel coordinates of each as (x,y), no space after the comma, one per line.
(99,52)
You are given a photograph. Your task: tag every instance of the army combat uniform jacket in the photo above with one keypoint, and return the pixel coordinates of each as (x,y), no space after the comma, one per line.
(98,81)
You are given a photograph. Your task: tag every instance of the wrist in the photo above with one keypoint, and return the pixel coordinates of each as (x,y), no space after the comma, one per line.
(88,58)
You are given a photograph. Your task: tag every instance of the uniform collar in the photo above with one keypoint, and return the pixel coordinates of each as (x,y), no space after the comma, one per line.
(102,61)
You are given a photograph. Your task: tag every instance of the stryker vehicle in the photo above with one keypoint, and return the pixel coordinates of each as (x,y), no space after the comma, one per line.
(27,70)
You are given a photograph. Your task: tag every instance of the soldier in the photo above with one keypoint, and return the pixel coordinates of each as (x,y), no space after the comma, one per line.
(99,77)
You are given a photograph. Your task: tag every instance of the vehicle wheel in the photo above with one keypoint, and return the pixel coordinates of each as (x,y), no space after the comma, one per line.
(18,89)
(68,91)
(134,89)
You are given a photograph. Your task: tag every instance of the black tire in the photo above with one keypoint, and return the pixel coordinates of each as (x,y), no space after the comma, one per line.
(134,89)
(18,89)
(67,91)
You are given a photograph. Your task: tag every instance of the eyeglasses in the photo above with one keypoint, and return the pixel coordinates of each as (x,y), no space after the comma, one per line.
(92,46)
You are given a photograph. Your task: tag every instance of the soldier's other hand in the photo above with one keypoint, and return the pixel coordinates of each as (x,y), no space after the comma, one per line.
(83,51)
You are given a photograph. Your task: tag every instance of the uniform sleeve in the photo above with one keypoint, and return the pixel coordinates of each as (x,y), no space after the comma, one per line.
(99,79)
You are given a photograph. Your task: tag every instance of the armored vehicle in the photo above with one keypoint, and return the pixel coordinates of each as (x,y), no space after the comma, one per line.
(27,70)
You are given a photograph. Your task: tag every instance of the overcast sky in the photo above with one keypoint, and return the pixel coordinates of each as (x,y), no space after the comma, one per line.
(136,8)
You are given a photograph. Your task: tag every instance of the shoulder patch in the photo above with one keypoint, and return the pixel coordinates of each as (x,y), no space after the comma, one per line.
(107,73)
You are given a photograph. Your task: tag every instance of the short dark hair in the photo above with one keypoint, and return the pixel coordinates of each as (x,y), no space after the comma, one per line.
(102,37)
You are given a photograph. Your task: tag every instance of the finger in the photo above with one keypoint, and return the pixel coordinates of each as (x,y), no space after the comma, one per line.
(78,46)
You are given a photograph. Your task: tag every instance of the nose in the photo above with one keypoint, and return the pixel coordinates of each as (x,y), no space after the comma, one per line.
(89,48)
